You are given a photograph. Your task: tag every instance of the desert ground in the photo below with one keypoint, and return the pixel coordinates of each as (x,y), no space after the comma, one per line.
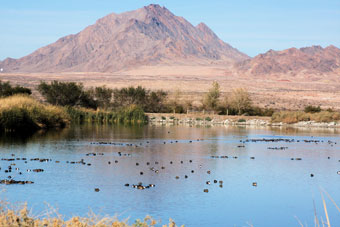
(191,82)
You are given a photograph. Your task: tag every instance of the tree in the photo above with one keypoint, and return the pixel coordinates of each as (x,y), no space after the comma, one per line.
(174,103)
(66,94)
(211,99)
(240,100)
(6,89)
(103,96)
(149,101)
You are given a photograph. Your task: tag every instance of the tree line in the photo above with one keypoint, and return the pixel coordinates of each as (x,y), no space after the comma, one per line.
(74,94)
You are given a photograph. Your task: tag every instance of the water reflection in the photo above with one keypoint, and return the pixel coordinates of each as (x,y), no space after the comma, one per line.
(284,186)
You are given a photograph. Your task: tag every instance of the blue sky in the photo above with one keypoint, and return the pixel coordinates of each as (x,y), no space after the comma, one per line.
(252,26)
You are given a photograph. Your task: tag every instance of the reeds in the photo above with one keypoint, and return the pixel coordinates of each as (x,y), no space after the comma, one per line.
(130,114)
(21,113)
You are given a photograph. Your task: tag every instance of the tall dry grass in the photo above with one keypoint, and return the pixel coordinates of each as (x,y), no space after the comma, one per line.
(21,217)
(291,117)
(22,113)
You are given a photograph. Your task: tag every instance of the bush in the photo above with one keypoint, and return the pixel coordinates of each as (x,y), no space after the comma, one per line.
(211,99)
(66,94)
(21,113)
(312,109)
(240,101)
(208,119)
(103,96)
(6,90)
(149,101)
(291,117)
(241,120)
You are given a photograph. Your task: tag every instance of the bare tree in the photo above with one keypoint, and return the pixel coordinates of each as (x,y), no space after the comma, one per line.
(240,100)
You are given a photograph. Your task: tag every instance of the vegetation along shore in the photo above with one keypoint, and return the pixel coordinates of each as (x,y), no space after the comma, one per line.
(63,103)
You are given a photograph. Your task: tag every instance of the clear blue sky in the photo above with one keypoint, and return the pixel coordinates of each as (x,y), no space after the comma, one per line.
(252,26)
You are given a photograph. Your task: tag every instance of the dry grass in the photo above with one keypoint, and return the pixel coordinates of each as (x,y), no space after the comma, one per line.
(291,117)
(21,112)
(22,217)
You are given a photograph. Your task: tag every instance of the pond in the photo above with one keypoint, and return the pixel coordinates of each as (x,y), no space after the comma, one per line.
(198,176)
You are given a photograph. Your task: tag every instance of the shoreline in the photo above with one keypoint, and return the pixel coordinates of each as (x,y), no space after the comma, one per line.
(209,120)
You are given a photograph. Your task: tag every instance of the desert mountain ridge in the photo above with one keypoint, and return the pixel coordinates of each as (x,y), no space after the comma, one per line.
(314,59)
(147,36)
(152,36)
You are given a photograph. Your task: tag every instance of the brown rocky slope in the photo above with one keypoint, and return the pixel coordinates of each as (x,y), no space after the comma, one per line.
(310,60)
(147,36)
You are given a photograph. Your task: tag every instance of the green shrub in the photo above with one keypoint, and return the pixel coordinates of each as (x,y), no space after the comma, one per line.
(312,109)
(6,90)
(208,119)
(66,94)
(149,101)
(241,120)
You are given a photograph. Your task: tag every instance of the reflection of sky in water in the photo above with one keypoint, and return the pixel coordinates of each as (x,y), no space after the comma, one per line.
(285,188)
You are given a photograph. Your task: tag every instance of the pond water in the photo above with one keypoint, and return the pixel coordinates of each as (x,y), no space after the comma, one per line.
(262,185)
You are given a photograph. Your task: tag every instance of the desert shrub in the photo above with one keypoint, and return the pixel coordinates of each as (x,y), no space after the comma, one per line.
(149,101)
(208,119)
(312,109)
(240,101)
(22,113)
(103,96)
(6,90)
(291,117)
(241,120)
(156,102)
(66,94)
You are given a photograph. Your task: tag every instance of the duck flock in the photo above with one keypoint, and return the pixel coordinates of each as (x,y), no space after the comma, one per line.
(8,165)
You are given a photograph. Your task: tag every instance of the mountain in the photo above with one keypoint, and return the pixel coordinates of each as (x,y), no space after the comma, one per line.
(314,59)
(148,36)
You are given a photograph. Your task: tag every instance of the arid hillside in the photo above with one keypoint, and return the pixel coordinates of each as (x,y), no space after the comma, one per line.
(147,36)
